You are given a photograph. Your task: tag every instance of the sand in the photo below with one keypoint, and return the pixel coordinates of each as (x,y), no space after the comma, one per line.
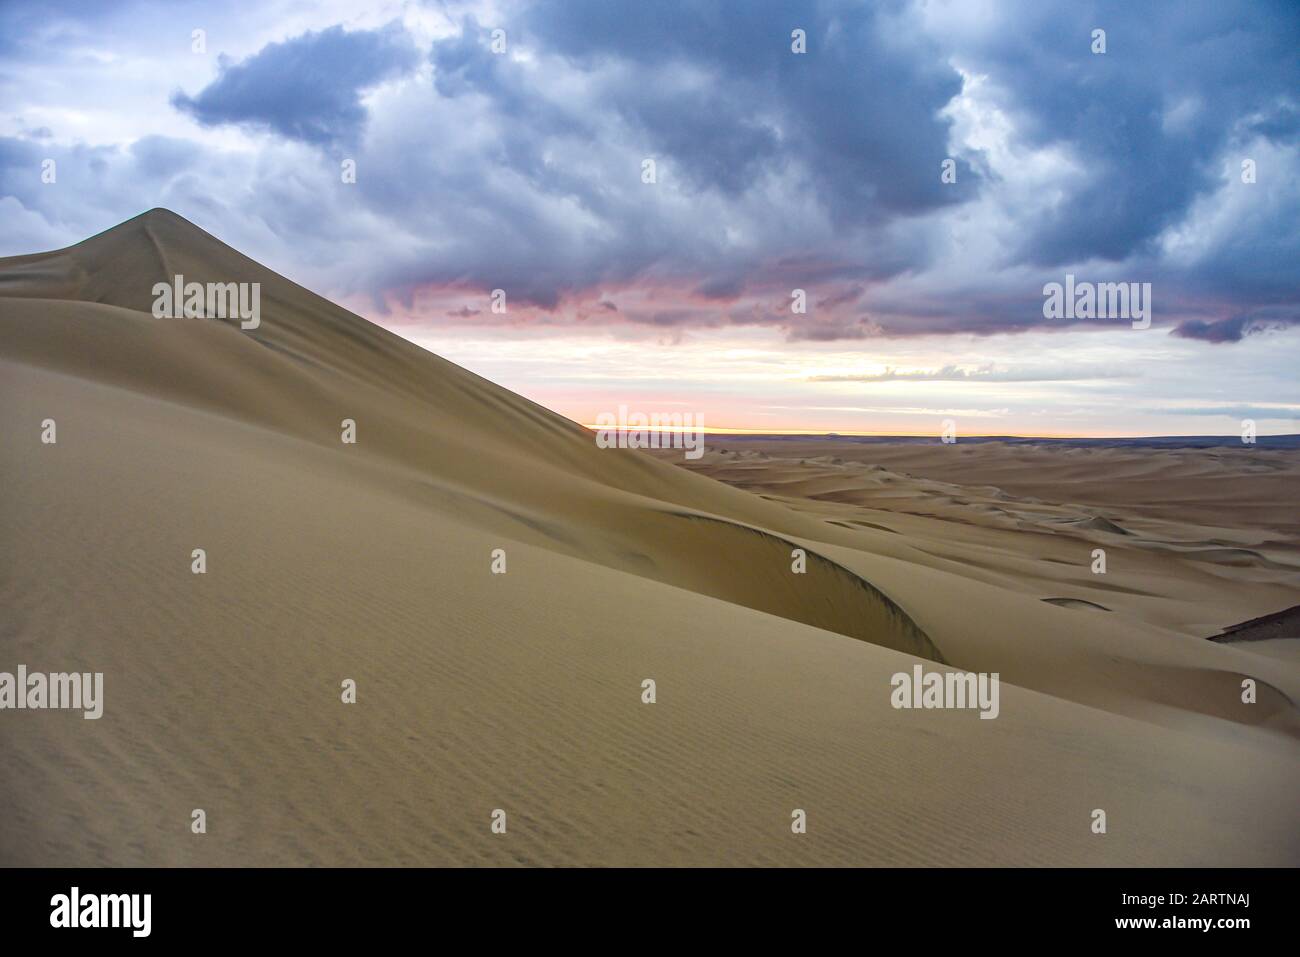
(523,691)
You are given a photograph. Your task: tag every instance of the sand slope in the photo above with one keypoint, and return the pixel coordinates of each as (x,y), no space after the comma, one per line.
(523,691)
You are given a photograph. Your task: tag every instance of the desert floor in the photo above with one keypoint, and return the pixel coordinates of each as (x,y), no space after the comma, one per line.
(522,691)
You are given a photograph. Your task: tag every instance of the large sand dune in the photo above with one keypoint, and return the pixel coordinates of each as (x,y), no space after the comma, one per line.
(522,691)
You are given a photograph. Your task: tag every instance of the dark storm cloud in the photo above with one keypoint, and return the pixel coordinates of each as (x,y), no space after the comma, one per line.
(777,170)
(306,88)
(859,108)
(715,95)
(1149,118)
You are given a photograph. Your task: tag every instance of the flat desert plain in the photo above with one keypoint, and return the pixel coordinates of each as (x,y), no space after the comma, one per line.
(378,563)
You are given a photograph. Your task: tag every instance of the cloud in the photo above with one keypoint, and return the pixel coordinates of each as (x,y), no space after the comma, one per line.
(305,88)
(834,330)
(1146,121)
(952,373)
(720,91)
(522,170)
(1270,413)
(1228,330)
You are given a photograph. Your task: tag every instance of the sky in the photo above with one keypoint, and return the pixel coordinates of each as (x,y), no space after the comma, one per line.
(599,203)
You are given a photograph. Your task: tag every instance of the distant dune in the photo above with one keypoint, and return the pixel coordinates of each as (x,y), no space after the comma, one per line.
(523,691)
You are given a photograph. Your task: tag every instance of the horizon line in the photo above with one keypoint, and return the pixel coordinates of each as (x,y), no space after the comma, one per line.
(815,433)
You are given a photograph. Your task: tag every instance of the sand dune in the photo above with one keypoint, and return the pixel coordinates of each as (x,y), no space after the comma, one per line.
(522,691)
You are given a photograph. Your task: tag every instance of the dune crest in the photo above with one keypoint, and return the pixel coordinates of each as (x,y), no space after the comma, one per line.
(414,409)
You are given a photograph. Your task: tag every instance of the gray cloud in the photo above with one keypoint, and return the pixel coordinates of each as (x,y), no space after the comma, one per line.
(1147,119)
(305,88)
(952,373)
(818,171)
(859,110)
(1229,330)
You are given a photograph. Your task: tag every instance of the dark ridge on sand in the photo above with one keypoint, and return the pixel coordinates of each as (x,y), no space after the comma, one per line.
(1282,624)
(1075,603)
